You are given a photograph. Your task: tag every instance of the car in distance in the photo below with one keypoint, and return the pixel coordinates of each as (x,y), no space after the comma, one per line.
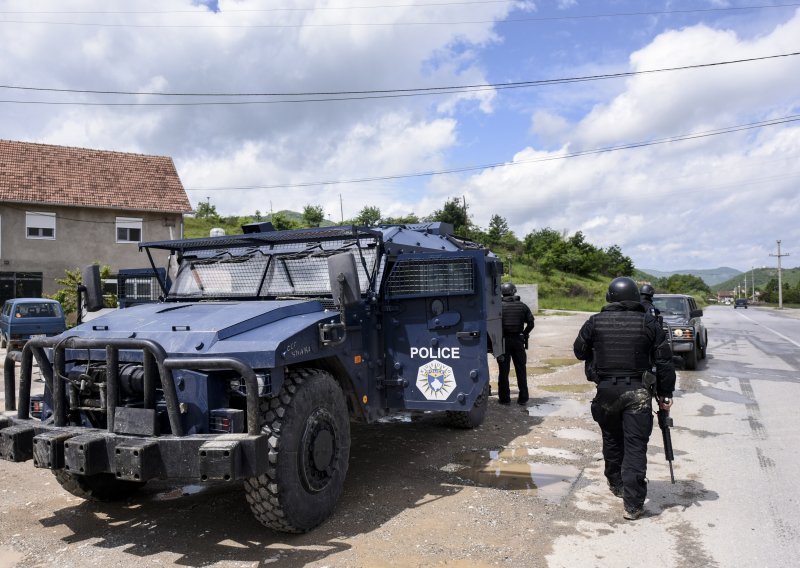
(740,303)
(684,324)
(24,318)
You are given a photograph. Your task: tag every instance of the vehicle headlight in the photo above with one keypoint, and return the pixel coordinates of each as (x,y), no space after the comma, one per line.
(683,333)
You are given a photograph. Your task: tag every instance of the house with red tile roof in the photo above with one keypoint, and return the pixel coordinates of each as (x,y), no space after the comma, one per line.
(63,207)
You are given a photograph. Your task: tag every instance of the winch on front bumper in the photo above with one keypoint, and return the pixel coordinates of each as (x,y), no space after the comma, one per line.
(129,448)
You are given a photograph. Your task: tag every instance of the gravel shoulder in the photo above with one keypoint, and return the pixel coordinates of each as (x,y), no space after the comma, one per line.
(417,494)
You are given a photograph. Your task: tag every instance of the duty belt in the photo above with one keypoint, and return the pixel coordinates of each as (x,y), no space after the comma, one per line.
(621,380)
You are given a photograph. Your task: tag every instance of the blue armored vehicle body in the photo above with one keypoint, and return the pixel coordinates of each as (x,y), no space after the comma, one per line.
(264,348)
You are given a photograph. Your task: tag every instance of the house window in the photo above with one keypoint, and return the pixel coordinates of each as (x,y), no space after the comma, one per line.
(129,230)
(40,225)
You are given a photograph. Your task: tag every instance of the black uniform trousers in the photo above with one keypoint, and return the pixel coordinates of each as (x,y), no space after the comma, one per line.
(515,351)
(625,416)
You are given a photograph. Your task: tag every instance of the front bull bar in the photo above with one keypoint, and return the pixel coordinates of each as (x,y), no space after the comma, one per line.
(155,363)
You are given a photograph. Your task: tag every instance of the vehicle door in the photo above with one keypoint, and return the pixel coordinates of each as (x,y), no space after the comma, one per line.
(435,330)
(696,322)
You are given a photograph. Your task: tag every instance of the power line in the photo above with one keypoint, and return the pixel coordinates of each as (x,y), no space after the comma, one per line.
(628,146)
(328,96)
(203,11)
(386,24)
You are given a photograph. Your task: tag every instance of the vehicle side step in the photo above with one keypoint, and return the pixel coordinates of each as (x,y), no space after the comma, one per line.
(16,443)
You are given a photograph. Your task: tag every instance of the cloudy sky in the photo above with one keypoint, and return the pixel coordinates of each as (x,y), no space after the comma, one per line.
(279,104)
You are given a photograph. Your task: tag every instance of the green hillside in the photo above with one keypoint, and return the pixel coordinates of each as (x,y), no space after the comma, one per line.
(195,227)
(761,276)
(710,276)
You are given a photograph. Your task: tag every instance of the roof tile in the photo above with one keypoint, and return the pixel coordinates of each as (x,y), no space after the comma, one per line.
(80,177)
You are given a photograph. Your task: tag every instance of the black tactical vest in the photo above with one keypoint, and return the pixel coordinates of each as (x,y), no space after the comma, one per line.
(621,345)
(514,316)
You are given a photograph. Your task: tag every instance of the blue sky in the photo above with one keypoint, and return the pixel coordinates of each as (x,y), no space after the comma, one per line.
(711,201)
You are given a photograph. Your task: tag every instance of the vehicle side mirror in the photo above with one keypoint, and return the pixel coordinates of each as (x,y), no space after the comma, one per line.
(92,289)
(696,314)
(344,280)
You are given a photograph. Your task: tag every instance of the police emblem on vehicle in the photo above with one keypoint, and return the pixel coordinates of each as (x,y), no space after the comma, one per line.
(435,380)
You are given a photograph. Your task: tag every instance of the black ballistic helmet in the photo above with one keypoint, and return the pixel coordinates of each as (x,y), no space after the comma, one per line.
(508,289)
(647,291)
(622,289)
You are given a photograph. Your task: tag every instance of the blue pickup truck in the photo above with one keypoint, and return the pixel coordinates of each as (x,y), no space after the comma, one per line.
(23,318)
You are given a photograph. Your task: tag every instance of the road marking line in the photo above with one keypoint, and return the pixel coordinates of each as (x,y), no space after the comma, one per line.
(779,334)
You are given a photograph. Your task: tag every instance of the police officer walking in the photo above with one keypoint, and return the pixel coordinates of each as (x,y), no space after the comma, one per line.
(620,345)
(517,325)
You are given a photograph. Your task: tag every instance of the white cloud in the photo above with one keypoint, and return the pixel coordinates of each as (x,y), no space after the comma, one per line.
(677,205)
(668,206)
(312,141)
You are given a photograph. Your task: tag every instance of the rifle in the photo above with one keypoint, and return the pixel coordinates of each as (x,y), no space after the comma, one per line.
(665,423)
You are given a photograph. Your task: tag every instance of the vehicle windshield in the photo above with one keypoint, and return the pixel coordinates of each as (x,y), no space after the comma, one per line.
(36,310)
(283,270)
(671,306)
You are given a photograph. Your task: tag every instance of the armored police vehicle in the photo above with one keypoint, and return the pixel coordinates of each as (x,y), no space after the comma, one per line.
(263,349)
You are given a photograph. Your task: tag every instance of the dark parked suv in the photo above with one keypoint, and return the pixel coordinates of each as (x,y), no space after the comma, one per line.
(740,303)
(683,322)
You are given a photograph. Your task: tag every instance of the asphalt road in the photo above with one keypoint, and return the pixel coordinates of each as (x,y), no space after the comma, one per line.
(525,489)
(737,430)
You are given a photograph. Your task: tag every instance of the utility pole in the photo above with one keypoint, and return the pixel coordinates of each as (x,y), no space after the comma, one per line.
(780,282)
(753,281)
(341,207)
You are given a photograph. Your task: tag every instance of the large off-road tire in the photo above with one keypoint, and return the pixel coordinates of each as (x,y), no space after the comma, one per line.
(473,418)
(100,487)
(690,358)
(309,449)
(704,348)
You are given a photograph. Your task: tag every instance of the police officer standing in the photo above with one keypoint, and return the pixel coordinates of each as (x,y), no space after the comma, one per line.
(517,325)
(620,345)
(646,292)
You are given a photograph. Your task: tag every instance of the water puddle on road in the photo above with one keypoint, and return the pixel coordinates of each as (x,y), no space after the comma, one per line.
(511,470)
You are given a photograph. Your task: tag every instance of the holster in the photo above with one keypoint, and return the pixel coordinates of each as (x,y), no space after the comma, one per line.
(649,381)
(591,372)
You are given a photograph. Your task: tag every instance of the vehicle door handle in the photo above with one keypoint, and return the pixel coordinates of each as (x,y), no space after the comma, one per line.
(467,334)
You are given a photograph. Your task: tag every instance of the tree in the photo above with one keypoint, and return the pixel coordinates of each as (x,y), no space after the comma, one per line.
(409,219)
(67,294)
(257,215)
(369,216)
(538,243)
(313,215)
(281,221)
(616,263)
(498,228)
(686,284)
(455,213)
(206,211)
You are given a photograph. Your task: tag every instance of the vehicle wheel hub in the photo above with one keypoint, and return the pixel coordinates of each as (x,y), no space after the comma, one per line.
(318,451)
